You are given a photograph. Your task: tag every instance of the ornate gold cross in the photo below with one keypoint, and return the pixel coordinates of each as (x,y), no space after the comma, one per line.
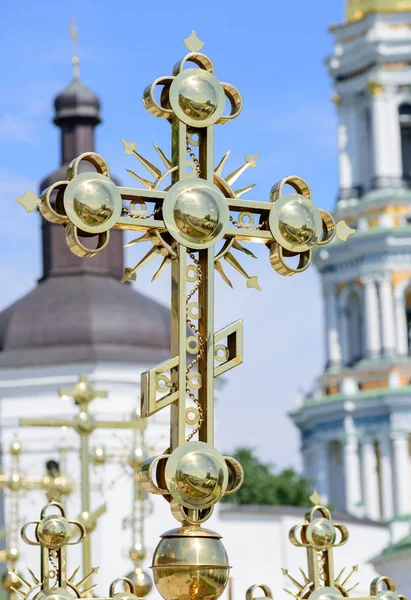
(319,535)
(196,223)
(195,218)
(53,533)
(84,424)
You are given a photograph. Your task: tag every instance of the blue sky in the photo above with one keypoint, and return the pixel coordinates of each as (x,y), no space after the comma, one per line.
(274,53)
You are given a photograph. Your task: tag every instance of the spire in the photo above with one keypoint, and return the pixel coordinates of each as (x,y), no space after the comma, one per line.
(75,59)
(77,112)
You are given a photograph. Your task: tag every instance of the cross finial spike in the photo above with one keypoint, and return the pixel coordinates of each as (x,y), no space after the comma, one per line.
(193,42)
(315,497)
(75,57)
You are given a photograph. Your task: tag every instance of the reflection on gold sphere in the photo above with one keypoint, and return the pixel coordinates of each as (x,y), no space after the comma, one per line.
(53,532)
(196,213)
(10,580)
(16,482)
(55,593)
(94,202)
(136,459)
(296,223)
(321,534)
(85,423)
(326,593)
(15,448)
(13,555)
(196,475)
(63,485)
(387,595)
(197,97)
(138,552)
(190,563)
(142,582)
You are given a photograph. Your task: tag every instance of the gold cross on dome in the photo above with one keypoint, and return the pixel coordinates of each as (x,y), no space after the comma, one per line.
(84,424)
(195,218)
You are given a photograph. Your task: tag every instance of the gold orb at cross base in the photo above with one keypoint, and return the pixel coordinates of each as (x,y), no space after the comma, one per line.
(53,532)
(196,475)
(190,563)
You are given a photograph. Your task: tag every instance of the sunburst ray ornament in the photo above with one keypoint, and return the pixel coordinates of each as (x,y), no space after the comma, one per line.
(196,222)
(319,535)
(53,533)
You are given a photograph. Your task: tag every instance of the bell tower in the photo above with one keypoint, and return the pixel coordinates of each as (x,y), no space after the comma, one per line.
(356,424)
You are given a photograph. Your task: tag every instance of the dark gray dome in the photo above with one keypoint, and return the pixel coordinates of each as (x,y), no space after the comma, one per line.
(82,319)
(77,100)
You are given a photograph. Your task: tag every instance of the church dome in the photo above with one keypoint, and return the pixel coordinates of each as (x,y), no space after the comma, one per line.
(356,9)
(77,100)
(84,318)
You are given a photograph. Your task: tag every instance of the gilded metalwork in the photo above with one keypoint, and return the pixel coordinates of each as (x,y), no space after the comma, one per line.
(84,424)
(53,533)
(320,535)
(196,221)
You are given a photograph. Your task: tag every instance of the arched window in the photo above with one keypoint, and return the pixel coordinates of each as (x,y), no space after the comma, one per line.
(405,126)
(355,327)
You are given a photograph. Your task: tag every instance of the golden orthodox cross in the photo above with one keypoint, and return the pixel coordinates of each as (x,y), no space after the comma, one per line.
(197,224)
(319,535)
(53,533)
(133,458)
(84,424)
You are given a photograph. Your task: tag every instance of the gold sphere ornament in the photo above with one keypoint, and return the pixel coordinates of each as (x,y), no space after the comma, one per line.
(138,552)
(190,563)
(54,593)
(10,580)
(15,448)
(196,475)
(296,223)
(142,582)
(196,213)
(321,534)
(326,593)
(53,532)
(197,97)
(92,203)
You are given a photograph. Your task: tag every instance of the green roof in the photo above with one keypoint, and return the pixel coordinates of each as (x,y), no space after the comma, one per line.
(403,391)
(403,545)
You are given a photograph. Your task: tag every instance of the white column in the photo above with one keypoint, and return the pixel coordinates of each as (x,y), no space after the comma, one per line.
(371,317)
(393,134)
(321,470)
(332,336)
(386,486)
(401,463)
(352,475)
(380,147)
(401,325)
(343,155)
(369,476)
(387,316)
(353,138)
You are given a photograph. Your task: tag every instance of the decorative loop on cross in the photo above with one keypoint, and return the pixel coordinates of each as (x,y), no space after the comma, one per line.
(193,95)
